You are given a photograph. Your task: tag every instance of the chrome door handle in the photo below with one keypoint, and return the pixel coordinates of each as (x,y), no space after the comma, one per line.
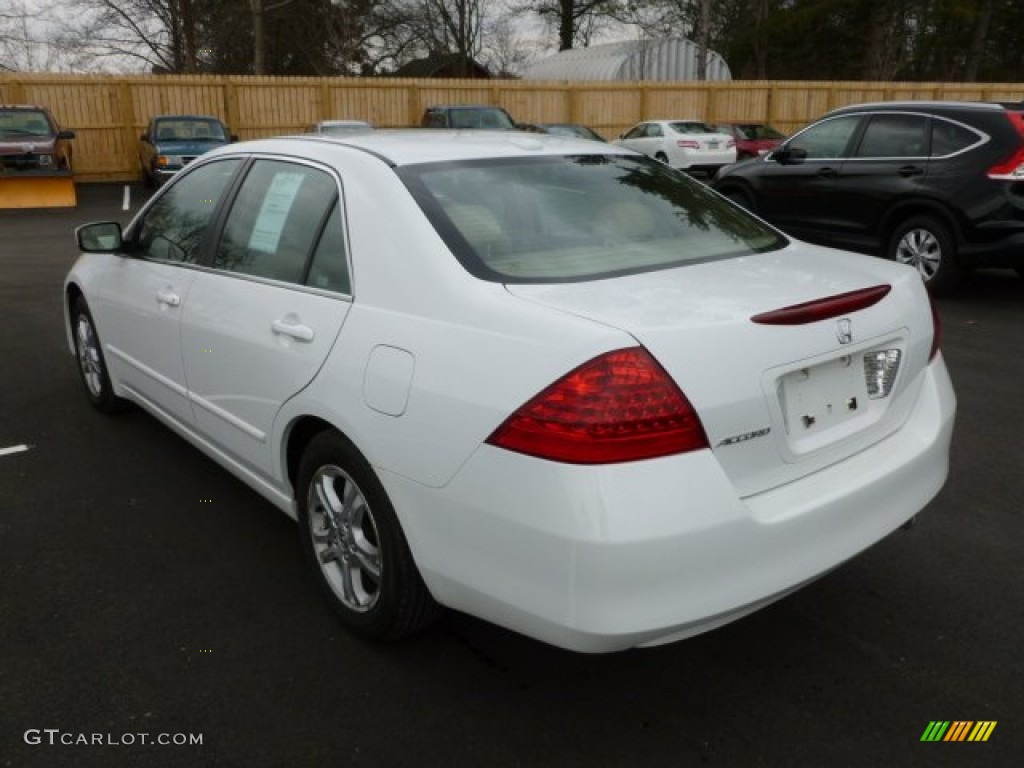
(170,298)
(296,331)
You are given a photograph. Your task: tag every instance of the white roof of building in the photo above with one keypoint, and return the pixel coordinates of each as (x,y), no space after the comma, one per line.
(669,59)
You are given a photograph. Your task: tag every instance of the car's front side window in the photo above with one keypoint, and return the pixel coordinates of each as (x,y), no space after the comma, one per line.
(828,139)
(172,229)
(636,132)
(275,220)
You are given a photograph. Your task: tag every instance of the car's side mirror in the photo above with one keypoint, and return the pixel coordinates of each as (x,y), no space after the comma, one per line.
(66,135)
(100,237)
(788,155)
(233,137)
(142,137)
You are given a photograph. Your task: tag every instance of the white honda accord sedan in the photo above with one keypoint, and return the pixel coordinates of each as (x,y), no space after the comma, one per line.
(544,381)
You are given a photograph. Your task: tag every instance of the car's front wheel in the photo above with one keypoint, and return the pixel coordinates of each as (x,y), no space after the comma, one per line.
(739,197)
(91,364)
(926,244)
(354,544)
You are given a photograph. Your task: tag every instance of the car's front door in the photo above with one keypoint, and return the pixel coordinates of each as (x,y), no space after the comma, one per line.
(635,137)
(140,300)
(797,193)
(260,323)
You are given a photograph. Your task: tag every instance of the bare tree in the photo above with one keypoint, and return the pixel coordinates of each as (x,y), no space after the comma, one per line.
(26,39)
(260,9)
(160,34)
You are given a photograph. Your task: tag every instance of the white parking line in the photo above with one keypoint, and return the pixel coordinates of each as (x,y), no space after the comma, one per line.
(13,449)
(127,197)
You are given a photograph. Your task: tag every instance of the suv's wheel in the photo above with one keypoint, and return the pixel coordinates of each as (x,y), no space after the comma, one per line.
(354,544)
(91,364)
(926,244)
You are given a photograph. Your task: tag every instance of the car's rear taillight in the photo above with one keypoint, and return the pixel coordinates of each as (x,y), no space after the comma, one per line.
(620,406)
(936,330)
(1012,168)
(688,144)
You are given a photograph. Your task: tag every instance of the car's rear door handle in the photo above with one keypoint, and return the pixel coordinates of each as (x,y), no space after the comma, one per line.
(289,326)
(827,173)
(910,170)
(168,297)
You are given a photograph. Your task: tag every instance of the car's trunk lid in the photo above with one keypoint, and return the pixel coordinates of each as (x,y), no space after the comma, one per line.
(777,401)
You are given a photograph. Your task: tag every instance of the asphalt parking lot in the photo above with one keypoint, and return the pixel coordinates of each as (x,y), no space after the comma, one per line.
(143,590)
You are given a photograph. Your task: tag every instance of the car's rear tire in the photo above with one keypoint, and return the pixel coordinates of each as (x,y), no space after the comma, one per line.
(925,243)
(354,545)
(92,366)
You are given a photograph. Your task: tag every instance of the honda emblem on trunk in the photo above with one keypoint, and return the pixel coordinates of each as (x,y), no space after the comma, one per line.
(844,330)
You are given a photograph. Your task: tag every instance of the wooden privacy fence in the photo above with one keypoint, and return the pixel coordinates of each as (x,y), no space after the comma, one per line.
(109,112)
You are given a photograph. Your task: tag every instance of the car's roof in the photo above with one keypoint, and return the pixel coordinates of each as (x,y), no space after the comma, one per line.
(186,117)
(411,146)
(922,106)
(342,122)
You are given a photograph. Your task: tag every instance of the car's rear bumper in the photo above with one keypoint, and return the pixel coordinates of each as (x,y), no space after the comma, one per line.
(997,246)
(605,558)
(688,161)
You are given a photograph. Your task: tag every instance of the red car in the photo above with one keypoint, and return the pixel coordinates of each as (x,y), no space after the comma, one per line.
(752,139)
(31,142)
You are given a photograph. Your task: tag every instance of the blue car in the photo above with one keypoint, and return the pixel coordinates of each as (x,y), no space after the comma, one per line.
(173,141)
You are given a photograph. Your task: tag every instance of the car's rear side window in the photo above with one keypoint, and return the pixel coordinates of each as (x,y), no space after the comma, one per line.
(894,135)
(570,218)
(274,221)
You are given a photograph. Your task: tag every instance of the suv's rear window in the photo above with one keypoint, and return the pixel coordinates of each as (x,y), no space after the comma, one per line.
(569,218)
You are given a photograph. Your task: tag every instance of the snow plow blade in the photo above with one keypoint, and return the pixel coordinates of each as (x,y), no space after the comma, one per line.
(37,192)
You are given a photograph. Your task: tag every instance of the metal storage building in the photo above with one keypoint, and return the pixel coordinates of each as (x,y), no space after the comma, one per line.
(669,59)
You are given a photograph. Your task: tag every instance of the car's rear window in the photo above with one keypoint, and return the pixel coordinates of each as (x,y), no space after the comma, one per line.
(580,217)
(756,132)
(691,126)
(189,129)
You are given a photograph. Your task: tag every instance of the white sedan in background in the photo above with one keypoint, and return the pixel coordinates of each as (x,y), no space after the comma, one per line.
(541,380)
(688,145)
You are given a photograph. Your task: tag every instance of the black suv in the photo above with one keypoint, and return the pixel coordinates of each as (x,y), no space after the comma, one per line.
(937,185)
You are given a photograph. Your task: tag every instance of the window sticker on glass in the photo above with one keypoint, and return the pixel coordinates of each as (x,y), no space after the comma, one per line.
(276,204)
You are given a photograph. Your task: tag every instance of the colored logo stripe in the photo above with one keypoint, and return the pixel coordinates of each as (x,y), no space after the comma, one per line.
(982,730)
(958,730)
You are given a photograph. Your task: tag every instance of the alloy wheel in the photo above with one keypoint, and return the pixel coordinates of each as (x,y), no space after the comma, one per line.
(921,249)
(345,539)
